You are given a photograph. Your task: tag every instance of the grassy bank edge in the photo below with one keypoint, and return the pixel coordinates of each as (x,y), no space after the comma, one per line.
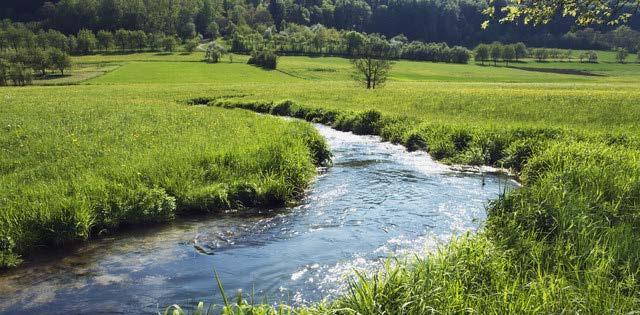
(151,204)
(558,245)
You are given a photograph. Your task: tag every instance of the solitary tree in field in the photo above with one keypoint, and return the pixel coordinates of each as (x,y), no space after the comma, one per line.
(508,53)
(496,52)
(482,53)
(622,54)
(372,62)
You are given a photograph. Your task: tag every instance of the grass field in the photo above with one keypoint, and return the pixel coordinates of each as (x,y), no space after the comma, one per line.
(566,242)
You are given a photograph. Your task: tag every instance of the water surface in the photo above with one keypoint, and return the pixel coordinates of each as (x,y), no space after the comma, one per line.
(376,201)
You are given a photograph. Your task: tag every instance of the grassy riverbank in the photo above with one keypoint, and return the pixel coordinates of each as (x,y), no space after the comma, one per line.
(80,162)
(566,242)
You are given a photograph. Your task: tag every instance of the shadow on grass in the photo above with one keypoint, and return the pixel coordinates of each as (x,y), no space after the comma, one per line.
(560,71)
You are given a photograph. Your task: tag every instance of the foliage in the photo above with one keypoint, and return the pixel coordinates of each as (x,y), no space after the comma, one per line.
(585,12)
(169,43)
(372,62)
(621,55)
(214,53)
(191,45)
(58,60)
(264,58)
(136,164)
(20,75)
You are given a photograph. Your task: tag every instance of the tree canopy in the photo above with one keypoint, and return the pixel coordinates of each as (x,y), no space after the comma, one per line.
(585,12)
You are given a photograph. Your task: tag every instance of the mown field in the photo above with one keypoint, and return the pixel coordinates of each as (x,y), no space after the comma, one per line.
(125,147)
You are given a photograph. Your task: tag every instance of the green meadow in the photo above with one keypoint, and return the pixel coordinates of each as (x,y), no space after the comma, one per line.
(128,146)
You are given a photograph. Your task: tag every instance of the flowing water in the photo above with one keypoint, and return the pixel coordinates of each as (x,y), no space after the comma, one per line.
(376,201)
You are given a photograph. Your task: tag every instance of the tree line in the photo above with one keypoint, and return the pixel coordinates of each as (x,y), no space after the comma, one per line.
(25,55)
(297,39)
(456,22)
(509,53)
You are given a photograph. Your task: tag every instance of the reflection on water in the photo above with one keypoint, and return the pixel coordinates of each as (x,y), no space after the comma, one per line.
(376,201)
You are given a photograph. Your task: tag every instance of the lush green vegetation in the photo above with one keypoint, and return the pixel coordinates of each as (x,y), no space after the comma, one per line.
(81,161)
(453,21)
(566,242)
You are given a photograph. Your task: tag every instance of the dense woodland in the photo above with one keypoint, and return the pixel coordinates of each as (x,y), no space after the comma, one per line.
(456,22)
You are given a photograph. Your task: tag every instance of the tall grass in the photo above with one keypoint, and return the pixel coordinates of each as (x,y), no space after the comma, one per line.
(72,169)
(565,243)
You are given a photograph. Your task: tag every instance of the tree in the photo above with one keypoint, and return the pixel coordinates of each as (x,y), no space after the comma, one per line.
(521,51)
(508,53)
(278,11)
(213,30)
(156,40)
(264,58)
(105,40)
(590,56)
(138,39)
(354,41)
(58,59)
(372,62)
(86,42)
(122,39)
(4,72)
(169,43)
(20,75)
(37,59)
(621,55)
(482,53)
(191,45)
(214,53)
(496,52)
(541,54)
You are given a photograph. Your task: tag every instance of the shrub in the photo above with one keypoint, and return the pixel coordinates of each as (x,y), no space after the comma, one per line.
(191,45)
(214,53)
(264,58)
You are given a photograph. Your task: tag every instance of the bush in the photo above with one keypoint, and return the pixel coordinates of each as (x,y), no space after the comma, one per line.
(214,53)
(191,45)
(264,58)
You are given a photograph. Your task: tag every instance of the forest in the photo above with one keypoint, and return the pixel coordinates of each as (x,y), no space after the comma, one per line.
(456,22)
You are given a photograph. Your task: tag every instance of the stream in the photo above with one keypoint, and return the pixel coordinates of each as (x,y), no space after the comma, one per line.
(376,201)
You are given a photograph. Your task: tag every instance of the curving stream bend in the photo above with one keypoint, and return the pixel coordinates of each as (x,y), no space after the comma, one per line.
(376,201)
